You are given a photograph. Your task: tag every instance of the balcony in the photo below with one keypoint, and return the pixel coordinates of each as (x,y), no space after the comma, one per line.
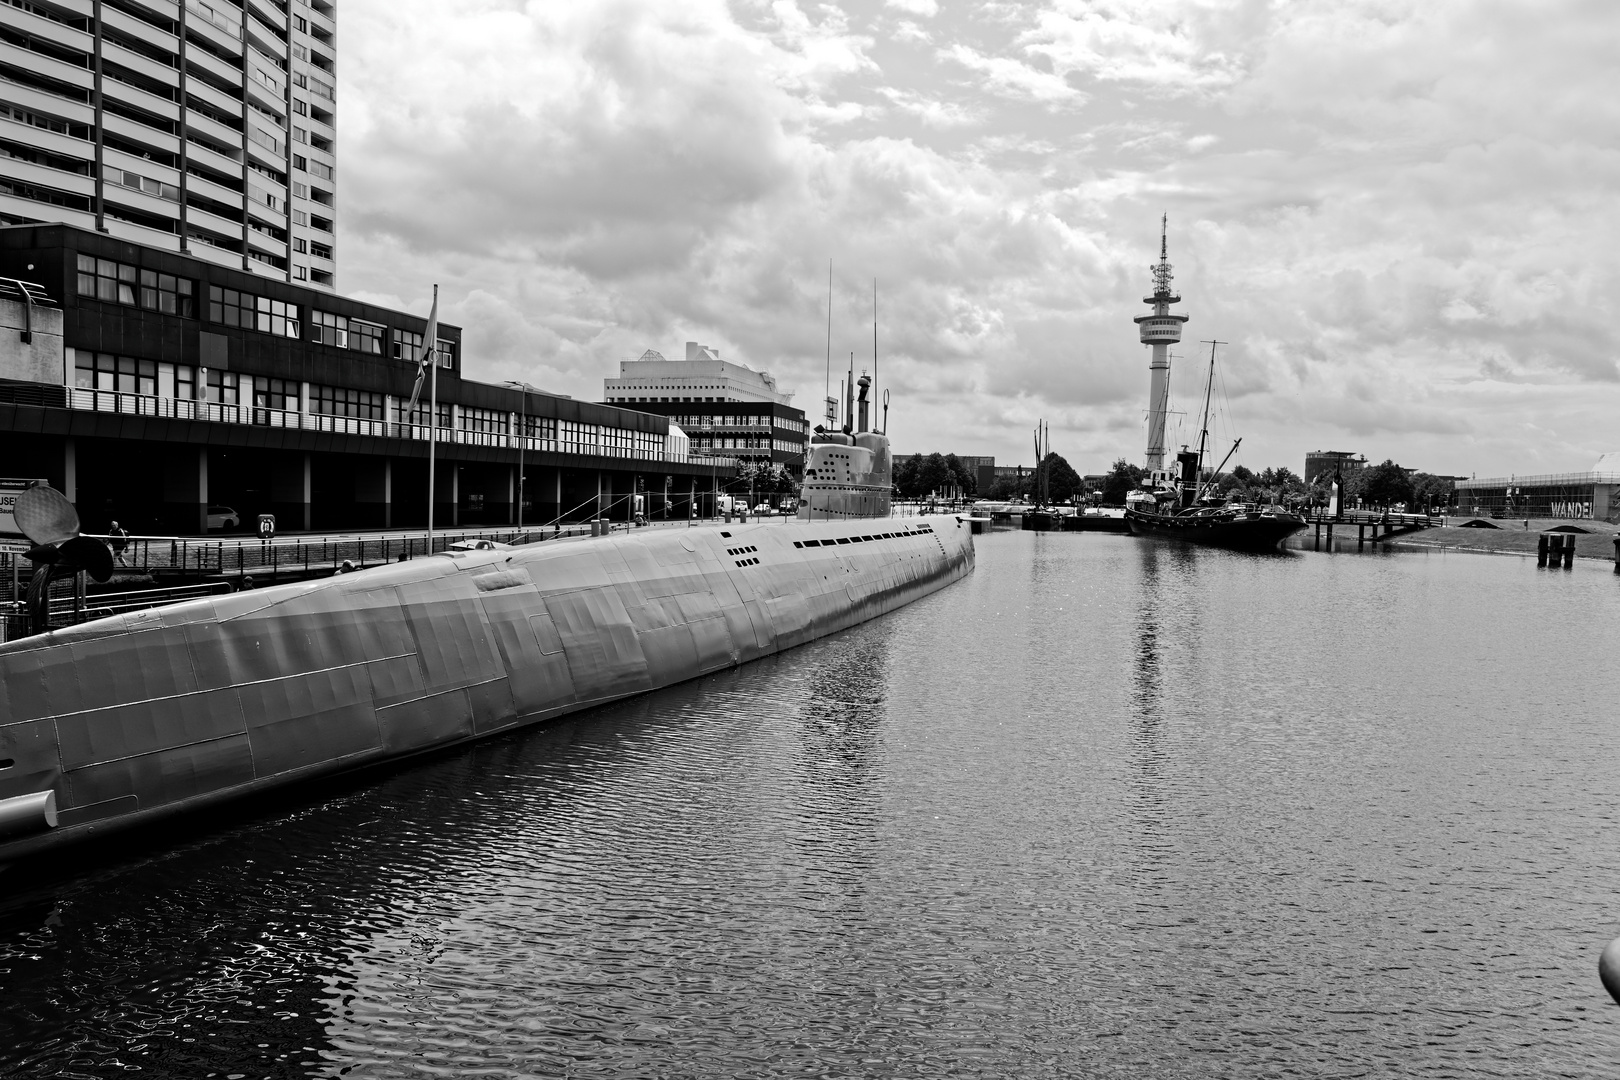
(51,31)
(141,133)
(78,77)
(137,28)
(152,69)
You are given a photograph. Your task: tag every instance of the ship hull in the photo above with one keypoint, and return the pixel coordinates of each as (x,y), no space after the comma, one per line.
(124,721)
(1258,532)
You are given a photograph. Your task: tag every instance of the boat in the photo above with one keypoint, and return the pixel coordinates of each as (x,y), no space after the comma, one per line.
(129,720)
(1183,505)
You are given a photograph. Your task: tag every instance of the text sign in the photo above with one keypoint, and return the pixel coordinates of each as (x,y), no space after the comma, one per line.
(9,490)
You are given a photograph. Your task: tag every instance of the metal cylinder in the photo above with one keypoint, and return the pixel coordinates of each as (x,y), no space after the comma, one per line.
(23,814)
(1541,550)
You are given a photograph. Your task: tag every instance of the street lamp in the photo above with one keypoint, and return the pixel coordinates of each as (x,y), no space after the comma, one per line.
(523,418)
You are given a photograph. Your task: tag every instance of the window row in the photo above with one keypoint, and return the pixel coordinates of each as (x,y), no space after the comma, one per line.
(121,283)
(232,307)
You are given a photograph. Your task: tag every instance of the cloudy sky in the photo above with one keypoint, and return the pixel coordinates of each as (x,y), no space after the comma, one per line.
(1400,213)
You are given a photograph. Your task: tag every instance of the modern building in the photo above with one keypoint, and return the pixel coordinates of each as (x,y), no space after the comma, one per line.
(205,127)
(1320,465)
(725,409)
(702,376)
(1592,495)
(151,386)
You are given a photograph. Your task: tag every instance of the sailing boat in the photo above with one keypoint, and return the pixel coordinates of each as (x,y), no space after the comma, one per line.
(1184,506)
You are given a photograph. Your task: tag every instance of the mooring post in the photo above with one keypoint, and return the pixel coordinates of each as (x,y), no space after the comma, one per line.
(1541,549)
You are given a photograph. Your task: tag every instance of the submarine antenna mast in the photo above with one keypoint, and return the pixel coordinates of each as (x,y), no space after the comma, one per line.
(826,387)
(874,346)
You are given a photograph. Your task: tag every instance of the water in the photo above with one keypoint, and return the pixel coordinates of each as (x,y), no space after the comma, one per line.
(1107,808)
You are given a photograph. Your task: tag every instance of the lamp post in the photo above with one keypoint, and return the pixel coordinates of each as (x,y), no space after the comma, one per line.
(523,417)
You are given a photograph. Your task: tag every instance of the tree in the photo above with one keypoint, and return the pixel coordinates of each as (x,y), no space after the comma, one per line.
(1383,485)
(1430,491)
(1062,482)
(905,476)
(1122,477)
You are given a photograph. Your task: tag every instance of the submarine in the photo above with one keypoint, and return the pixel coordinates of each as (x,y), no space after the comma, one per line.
(126,721)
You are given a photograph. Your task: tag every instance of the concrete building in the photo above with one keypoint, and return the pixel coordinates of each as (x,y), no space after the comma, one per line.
(1321,464)
(725,409)
(152,387)
(205,127)
(1591,495)
(702,376)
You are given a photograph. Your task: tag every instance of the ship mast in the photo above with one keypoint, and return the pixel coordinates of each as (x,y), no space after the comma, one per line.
(1209,387)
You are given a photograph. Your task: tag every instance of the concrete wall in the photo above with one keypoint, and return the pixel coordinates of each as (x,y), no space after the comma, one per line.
(36,361)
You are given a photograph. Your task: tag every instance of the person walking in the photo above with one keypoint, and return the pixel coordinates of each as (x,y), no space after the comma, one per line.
(118,538)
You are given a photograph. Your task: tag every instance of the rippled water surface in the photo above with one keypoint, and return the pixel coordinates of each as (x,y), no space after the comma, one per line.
(1106,808)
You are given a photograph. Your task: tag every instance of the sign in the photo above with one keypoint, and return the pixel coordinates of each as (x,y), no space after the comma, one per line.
(9,490)
(267,526)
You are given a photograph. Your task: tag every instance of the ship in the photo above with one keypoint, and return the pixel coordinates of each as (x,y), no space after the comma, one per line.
(127,721)
(1182,505)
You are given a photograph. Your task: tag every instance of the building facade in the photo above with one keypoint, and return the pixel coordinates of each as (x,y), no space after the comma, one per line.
(151,386)
(206,127)
(1591,496)
(1320,465)
(701,377)
(725,409)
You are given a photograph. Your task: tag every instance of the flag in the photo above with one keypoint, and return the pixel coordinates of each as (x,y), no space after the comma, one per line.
(430,347)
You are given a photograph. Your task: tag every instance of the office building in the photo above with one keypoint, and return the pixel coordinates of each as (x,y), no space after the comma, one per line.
(149,386)
(701,377)
(205,127)
(1320,465)
(725,409)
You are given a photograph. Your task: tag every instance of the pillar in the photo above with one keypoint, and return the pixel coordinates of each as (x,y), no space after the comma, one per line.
(70,470)
(185,489)
(388,493)
(455,497)
(309,492)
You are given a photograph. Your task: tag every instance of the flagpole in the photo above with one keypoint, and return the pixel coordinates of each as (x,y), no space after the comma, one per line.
(433,413)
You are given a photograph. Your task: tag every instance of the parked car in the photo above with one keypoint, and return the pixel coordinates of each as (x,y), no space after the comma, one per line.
(764,508)
(223,518)
(478,544)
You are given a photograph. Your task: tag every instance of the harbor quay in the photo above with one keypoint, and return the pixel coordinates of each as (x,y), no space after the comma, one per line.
(177,396)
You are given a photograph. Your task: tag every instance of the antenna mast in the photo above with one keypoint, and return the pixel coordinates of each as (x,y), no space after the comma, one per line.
(1203,434)
(826,387)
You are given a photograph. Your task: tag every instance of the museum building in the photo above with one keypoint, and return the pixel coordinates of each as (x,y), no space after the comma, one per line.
(163,390)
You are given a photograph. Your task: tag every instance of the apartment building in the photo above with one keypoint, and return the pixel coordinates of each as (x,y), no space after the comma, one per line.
(206,127)
(702,376)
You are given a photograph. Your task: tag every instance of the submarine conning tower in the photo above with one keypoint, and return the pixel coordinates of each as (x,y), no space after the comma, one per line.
(1161,330)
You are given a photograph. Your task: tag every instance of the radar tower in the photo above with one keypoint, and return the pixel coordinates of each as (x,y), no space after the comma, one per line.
(1161,330)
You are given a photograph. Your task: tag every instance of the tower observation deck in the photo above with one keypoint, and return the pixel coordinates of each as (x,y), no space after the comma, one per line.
(1160,330)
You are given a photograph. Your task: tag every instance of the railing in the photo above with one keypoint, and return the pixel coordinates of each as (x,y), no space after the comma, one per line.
(128,404)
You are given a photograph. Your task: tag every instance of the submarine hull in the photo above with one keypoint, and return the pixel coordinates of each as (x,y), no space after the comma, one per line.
(123,721)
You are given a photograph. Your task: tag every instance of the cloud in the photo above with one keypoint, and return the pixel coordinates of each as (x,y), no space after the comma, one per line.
(1397,212)
(1011,77)
(926,8)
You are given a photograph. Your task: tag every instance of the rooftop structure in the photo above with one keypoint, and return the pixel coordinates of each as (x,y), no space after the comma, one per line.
(702,376)
(206,127)
(1320,465)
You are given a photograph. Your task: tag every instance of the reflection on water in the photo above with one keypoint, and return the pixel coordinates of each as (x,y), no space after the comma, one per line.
(1105,808)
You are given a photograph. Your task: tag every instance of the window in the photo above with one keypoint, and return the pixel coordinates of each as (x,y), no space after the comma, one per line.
(300,218)
(275,394)
(485,420)
(168,294)
(121,283)
(299,273)
(106,280)
(300,163)
(366,337)
(342,401)
(419,415)
(233,308)
(300,24)
(122,374)
(329,329)
(408,347)
(222,387)
(300,135)
(300,191)
(322,171)
(301,245)
(301,108)
(321,251)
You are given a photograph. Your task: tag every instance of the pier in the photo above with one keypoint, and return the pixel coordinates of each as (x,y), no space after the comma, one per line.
(1371,525)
